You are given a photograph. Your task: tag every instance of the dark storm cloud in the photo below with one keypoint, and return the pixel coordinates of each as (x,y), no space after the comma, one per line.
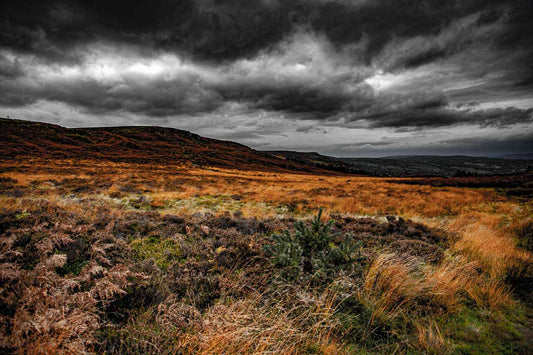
(206,29)
(435,112)
(310,103)
(158,98)
(10,68)
(516,143)
(425,57)
(520,139)
(110,81)
(218,30)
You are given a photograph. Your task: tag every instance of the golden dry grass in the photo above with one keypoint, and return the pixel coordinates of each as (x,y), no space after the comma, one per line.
(480,221)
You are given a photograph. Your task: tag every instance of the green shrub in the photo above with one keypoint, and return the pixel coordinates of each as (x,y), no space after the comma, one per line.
(286,253)
(316,237)
(311,252)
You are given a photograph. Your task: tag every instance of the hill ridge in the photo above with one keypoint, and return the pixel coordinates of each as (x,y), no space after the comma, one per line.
(138,144)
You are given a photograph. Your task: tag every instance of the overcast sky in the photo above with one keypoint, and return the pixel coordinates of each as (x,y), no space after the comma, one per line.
(340,77)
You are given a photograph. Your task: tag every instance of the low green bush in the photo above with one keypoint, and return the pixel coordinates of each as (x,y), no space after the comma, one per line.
(310,251)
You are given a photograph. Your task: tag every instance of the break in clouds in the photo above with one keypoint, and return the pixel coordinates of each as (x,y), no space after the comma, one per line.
(347,78)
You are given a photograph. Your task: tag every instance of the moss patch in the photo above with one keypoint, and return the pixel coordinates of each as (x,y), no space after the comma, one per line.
(163,251)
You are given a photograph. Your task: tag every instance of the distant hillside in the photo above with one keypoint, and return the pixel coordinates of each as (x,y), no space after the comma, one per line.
(415,165)
(146,144)
(19,139)
(526,156)
(311,158)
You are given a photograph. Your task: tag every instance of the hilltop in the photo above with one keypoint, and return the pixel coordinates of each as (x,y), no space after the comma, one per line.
(138,144)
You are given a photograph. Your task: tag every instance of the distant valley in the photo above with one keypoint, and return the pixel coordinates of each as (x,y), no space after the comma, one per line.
(413,166)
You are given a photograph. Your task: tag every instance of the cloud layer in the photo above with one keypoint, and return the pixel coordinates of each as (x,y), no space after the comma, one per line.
(270,73)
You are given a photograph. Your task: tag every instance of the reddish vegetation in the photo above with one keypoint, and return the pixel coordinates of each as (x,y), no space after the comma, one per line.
(19,139)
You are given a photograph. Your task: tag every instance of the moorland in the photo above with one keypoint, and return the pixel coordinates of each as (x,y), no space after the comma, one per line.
(146,240)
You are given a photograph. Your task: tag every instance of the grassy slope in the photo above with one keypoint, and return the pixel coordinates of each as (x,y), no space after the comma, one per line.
(28,140)
(139,270)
